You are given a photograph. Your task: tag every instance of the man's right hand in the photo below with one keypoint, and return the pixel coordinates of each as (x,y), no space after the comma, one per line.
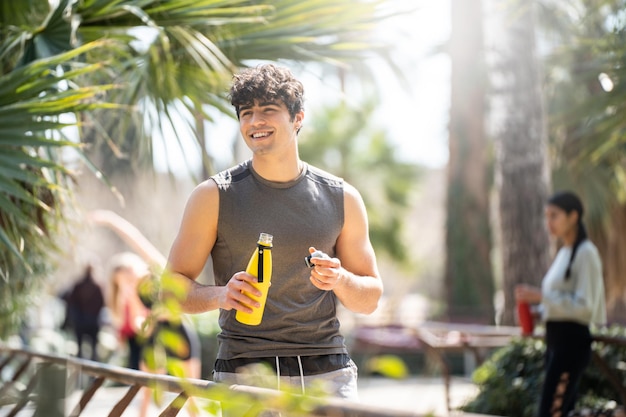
(235,293)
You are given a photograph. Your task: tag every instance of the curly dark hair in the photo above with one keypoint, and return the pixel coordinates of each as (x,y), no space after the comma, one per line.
(267,82)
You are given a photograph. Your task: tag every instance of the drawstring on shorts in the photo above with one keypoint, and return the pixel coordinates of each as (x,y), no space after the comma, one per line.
(301,373)
(277,373)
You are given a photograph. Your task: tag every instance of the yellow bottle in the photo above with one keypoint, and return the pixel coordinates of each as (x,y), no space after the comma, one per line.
(260,266)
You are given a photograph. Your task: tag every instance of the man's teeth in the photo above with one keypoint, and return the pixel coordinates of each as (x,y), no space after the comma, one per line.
(260,134)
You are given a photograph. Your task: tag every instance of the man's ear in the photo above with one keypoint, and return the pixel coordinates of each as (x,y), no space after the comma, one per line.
(298,119)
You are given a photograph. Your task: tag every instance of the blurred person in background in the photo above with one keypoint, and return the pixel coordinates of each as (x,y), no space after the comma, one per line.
(151,330)
(571,299)
(127,311)
(84,306)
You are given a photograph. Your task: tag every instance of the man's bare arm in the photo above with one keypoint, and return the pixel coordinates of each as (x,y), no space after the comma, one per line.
(353,275)
(191,249)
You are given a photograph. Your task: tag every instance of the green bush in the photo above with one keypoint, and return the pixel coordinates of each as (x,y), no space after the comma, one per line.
(510,380)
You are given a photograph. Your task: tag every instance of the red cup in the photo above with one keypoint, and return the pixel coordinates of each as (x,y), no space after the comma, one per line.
(525,318)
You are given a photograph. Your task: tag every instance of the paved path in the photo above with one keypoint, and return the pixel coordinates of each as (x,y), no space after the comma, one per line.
(423,395)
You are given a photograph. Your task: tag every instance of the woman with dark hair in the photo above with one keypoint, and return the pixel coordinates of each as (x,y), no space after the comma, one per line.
(571,299)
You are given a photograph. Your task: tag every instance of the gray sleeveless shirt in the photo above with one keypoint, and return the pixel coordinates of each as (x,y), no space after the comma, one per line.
(299,319)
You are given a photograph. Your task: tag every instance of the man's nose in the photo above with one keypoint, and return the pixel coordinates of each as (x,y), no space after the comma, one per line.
(258,118)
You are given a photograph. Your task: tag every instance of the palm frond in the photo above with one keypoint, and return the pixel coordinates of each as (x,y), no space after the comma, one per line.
(126,70)
(34,98)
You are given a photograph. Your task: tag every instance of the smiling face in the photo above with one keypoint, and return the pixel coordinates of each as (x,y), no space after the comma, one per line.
(268,126)
(561,224)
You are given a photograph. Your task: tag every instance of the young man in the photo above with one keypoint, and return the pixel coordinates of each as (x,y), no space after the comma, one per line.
(305,209)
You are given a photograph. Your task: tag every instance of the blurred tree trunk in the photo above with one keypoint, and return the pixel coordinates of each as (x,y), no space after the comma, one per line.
(208,168)
(469,285)
(522,172)
(611,242)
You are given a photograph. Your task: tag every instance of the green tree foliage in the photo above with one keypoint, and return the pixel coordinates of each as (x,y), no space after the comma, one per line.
(510,381)
(586,92)
(111,74)
(34,182)
(345,141)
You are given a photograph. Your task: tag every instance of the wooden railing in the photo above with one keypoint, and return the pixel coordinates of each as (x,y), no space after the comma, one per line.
(24,368)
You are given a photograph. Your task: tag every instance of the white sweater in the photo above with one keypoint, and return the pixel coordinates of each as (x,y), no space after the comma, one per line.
(580,298)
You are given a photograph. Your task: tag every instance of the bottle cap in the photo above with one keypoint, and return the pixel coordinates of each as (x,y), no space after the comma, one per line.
(265,239)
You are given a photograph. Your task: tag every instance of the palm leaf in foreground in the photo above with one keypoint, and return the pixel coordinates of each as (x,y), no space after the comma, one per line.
(35,104)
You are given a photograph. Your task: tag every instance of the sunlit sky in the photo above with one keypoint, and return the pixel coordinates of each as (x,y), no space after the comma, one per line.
(415,115)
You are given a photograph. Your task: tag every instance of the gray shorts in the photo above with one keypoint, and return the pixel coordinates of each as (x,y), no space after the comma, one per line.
(341,383)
